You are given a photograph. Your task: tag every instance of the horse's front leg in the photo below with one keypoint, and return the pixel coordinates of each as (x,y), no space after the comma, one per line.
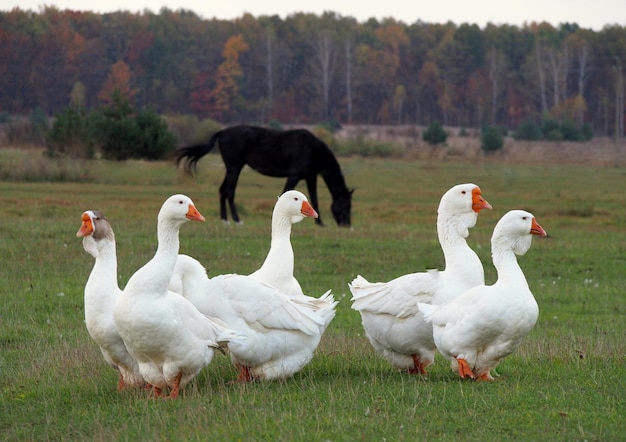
(311,184)
(291,183)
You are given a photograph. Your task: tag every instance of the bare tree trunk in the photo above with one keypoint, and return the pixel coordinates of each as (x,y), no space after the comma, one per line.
(418,113)
(542,78)
(557,64)
(606,119)
(619,101)
(349,79)
(270,76)
(583,73)
(495,67)
(325,53)
(399,96)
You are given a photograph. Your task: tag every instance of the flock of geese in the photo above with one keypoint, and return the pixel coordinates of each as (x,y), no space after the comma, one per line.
(167,323)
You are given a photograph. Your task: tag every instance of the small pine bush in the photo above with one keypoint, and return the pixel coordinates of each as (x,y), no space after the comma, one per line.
(549,129)
(528,130)
(553,130)
(435,134)
(570,131)
(70,135)
(491,139)
(123,133)
(555,135)
(586,132)
(154,138)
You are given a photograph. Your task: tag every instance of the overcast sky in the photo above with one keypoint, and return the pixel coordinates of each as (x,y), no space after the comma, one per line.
(594,14)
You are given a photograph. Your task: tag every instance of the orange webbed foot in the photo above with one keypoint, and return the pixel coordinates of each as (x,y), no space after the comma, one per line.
(485,377)
(464,369)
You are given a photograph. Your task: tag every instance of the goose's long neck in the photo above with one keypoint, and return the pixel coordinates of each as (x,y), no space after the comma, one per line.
(102,284)
(168,239)
(505,262)
(458,255)
(167,249)
(107,260)
(280,246)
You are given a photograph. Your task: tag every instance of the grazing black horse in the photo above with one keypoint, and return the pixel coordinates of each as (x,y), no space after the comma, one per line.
(296,154)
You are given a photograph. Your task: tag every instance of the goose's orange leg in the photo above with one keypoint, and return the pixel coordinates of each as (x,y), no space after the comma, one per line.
(176,387)
(244,374)
(157,391)
(464,369)
(120,383)
(419,366)
(485,377)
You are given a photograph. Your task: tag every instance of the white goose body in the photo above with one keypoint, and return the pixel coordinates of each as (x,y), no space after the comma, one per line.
(276,337)
(392,322)
(278,268)
(101,293)
(170,339)
(487,323)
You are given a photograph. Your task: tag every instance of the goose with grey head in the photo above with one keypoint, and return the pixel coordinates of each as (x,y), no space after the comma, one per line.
(101,293)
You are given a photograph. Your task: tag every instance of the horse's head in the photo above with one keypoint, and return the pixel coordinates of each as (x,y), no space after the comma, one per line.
(341,208)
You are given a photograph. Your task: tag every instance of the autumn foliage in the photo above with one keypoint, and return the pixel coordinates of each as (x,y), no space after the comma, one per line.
(118,81)
(307,68)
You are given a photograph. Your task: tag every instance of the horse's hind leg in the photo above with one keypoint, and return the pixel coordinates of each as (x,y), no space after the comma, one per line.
(223,214)
(233,210)
(227,194)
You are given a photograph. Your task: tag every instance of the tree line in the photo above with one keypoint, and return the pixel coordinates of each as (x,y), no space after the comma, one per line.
(308,68)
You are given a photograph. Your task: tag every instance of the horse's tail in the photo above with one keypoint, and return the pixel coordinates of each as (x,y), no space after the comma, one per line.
(192,154)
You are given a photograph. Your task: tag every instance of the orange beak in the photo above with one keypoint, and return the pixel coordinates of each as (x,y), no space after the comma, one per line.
(536,229)
(478,202)
(86,228)
(307,210)
(193,214)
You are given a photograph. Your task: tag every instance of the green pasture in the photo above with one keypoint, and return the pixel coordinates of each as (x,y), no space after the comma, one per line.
(566,382)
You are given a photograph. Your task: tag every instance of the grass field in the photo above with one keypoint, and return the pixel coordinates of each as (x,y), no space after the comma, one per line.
(566,382)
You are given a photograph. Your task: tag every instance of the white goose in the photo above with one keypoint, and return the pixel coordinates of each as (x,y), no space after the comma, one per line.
(170,339)
(487,323)
(101,293)
(278,268)
(389,313)
(276,336)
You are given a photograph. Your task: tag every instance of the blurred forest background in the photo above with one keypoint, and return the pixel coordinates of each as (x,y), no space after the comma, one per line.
(306,69)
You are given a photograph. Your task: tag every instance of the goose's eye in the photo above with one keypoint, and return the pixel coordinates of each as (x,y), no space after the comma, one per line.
(295,198)
(524,218)
(463,192)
